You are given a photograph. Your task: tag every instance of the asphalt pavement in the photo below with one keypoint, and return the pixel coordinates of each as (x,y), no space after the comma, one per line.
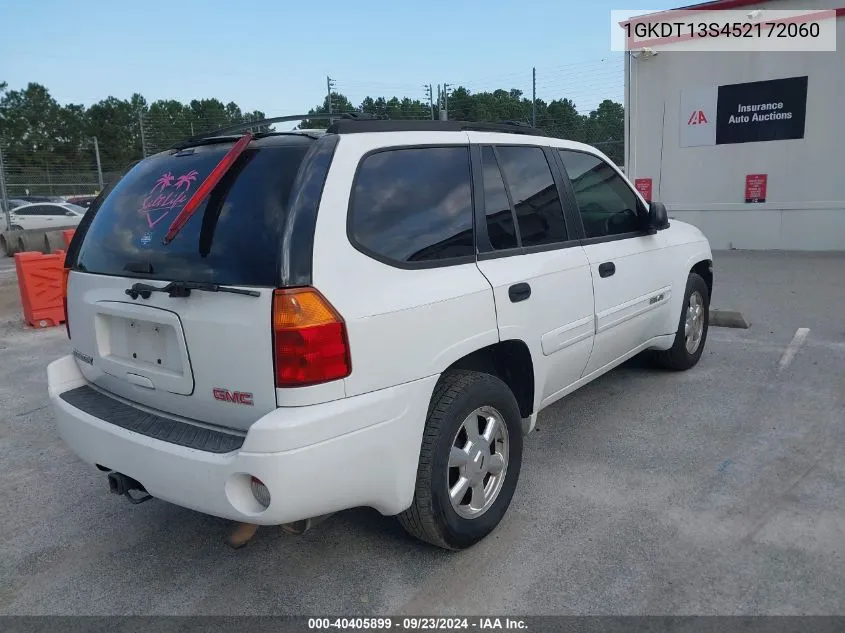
(720,490)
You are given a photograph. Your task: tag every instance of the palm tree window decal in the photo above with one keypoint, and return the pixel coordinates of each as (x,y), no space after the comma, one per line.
(163,182)
(187,179)
(159,202)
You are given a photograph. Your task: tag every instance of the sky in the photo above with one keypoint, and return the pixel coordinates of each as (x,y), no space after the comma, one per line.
(274,56)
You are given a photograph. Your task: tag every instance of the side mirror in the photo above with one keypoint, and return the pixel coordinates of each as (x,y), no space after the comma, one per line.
(70,214)
(658,218)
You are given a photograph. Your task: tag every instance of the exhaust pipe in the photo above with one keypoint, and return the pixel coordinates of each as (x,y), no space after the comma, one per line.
(301,527)
(120,484)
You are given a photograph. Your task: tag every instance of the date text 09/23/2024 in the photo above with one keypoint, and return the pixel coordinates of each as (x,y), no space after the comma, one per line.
(417,623)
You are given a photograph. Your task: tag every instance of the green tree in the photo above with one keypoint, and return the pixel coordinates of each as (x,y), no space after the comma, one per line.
(340,104)
(605,128)
(116,125)
(39,135)
(29,126)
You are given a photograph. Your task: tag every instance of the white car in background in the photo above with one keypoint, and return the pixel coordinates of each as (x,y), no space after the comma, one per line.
(46,215)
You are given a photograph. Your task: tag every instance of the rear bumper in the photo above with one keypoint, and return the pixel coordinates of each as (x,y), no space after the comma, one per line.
(373,466)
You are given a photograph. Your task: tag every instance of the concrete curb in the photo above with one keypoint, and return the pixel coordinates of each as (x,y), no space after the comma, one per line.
(728,318)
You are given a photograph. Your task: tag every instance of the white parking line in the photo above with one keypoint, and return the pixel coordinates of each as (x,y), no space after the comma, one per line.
(792,349)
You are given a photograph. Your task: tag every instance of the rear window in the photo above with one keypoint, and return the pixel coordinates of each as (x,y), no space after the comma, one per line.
(233,238)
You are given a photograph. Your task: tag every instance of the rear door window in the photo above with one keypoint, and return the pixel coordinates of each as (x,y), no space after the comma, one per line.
(414,205)
(497,206)
(539,213)
(233,238)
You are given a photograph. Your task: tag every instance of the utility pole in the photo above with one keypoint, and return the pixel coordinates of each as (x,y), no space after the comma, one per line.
(444,116)
(534,97)
(143,139)
(99,166)
(430,94)
(329,86)
(4,195)
(439,103)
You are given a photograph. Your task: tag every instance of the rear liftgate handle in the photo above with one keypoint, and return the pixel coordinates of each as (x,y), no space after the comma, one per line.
(519,292)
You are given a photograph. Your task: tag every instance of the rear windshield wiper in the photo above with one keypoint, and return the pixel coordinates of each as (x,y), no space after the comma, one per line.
(183,289)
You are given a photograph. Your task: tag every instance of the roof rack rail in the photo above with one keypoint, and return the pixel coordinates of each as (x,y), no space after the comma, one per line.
(362,116)
(246,125)
(354,125)
(355,122)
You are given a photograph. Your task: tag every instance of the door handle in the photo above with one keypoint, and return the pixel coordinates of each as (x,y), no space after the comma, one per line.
(519,292)
(607,269)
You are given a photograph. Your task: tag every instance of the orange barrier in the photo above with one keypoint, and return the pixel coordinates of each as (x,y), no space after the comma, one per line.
(68,235)
(41,282)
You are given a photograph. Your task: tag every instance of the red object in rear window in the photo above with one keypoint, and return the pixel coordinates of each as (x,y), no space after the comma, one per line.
(205,188)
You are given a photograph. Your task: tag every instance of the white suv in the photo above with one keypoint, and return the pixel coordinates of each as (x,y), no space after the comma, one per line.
(278,326)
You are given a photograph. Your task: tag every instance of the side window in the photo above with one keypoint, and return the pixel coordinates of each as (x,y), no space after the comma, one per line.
(56,210)
(414,205)
(32,210)
(607,204)
(500,226)
(539,213)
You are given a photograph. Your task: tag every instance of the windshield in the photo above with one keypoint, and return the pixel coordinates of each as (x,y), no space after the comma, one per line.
(234,237)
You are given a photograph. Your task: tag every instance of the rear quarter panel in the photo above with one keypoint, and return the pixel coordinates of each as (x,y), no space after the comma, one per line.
(403,324)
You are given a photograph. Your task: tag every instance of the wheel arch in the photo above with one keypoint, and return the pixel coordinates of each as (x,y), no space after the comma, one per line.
(511,362)
(700,261)
(704,269)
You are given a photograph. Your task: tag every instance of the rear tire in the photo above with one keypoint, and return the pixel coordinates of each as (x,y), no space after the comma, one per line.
(481,474)
(692,328)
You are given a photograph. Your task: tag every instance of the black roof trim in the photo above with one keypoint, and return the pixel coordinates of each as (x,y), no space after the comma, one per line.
(353,126)
(247,125)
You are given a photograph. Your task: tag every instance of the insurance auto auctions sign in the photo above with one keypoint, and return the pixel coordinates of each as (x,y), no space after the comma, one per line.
(772,110)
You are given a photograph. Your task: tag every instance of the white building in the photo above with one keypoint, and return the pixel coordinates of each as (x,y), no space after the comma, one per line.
(754,165)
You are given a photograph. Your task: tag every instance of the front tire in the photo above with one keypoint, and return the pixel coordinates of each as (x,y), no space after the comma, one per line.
(470,460)
(692,328)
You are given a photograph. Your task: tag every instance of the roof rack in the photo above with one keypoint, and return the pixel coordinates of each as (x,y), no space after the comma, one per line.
(360,125)
(356,122)
(247,125)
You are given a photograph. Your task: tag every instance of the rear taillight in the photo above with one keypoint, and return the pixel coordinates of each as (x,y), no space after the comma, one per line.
(65,276)
(310,345)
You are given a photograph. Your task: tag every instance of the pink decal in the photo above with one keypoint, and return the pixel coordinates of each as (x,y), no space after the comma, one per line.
(163,182)
(187,179)
(158,203)
(151,223)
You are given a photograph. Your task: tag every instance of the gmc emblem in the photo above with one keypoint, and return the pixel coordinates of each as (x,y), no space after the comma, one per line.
(235,397)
